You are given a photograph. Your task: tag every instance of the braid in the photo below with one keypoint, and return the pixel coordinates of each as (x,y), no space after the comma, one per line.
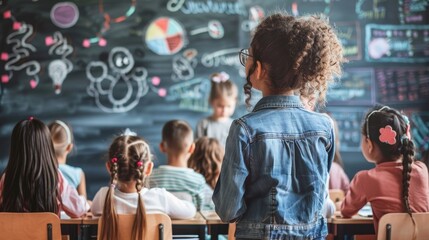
(109,229)
(407,151)
(137,162)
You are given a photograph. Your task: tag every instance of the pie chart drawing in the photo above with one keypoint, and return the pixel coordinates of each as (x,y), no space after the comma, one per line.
(165,36)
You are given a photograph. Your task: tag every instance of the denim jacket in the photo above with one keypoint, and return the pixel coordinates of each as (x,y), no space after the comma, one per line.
(274,172)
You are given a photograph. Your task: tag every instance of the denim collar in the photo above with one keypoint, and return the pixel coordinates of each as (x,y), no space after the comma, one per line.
(278,101)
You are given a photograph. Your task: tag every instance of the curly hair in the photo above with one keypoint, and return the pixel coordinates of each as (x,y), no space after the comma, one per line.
(300,53)
(207,159)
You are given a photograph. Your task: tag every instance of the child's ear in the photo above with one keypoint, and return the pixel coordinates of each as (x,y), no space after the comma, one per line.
(191,148)
(148,168)
(260,71)
(162,147)
(69,148)
(370,145)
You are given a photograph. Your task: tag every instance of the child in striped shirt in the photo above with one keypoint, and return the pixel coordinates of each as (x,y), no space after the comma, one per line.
(178,144)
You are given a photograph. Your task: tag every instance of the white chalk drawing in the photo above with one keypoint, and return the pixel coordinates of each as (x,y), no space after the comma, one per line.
(58,69)
(21,49)
(224,57)
(121,90)
(256,15)
(192,94)
(64,14)
(206,6)
(183,66)
(214,28)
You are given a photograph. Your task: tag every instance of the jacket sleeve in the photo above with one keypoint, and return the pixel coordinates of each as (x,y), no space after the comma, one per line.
(228,195)
(355,198)
(71,203)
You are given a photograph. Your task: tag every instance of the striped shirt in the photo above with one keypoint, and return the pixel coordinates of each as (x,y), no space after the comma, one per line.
(179,180)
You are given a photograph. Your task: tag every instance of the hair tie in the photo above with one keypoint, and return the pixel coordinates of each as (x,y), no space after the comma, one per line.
(139,163)
(128,132)
(66,128)
(221,77)
(387,135)
(114,160)
(112,185)
(30,118)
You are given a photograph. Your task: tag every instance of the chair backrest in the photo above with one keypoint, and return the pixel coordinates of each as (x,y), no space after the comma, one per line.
(37,226)
(158,226)
(336,195)
(398,226)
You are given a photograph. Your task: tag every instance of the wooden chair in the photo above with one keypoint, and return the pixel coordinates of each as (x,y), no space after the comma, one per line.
(336,195)
(35,226)
(158,226)
(398,226)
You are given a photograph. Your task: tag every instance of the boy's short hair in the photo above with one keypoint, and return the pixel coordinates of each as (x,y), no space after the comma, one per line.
(177,135)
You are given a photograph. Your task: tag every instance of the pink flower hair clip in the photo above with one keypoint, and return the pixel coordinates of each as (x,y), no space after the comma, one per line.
(221,77)
(387,135)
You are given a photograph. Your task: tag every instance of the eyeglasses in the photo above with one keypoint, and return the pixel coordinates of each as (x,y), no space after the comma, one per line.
(244,55)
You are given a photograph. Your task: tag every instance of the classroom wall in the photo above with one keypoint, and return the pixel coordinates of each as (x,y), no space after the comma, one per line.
(105,65)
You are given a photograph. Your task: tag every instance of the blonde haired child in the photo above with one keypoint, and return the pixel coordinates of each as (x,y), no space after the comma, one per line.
(397,183)
(222,99)
(129,164)
(31,181)
(277,158)
(62,137)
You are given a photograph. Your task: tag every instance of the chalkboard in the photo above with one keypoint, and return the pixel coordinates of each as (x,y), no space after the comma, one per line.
(105,65)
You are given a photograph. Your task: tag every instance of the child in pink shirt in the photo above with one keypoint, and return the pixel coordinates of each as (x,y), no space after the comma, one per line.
(397,183)
(31,181)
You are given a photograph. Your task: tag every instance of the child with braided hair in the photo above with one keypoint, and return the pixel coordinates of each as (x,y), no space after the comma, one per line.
(129,165)
(397,183)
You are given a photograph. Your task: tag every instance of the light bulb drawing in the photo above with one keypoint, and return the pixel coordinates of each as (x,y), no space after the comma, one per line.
(58,69)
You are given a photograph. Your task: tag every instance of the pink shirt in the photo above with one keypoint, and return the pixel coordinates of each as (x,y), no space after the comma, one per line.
(70,202)
(382,187)
(338,179)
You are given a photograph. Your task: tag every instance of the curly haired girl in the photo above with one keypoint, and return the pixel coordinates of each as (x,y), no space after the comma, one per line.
(277,157)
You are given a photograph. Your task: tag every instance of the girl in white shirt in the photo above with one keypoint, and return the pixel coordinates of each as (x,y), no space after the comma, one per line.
(129,164)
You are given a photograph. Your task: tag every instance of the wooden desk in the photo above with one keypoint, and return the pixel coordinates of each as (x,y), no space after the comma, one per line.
(215,225)
(357,225)
(71,227)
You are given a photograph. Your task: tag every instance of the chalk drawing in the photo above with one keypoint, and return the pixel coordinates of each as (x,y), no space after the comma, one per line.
(120,90)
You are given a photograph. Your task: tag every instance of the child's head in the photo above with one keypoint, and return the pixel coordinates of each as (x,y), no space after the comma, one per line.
(129,162)
(62,137)
(287,53)
(386,137)
(223,95)
(31,177)
(207,159)
(177,137)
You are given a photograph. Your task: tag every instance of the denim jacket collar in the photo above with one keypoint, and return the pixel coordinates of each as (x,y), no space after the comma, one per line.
(278,101)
